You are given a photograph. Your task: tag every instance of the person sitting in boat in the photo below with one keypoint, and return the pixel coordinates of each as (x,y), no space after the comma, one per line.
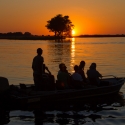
(48,78)
(81,71)
(60,67)
(63,77)
(77,80)
(93,75)
(37,66)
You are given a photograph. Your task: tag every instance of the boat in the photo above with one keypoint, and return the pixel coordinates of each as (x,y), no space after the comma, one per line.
(25,95)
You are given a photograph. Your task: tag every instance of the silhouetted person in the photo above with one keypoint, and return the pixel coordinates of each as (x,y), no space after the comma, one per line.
(76,75)
(77,80)
(93,75)
(48,78)
(63,77)
(81,71)
(60,67)
(37,66)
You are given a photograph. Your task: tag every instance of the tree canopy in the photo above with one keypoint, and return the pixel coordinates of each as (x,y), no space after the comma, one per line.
(60,25)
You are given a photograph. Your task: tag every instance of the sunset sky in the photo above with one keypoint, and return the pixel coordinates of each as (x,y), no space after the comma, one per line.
(88,16)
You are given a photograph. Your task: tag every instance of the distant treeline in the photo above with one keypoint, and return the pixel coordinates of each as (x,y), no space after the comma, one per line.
(105,35)
(29,36)
(25,36)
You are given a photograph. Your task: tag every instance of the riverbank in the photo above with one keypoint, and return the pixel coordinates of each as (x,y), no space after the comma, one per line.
(31,37)
(108,35)
(28,36)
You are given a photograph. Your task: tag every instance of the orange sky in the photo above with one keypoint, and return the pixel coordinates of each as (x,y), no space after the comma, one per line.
(89,17)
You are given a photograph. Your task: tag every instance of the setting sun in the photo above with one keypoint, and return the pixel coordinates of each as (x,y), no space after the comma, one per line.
(73,32)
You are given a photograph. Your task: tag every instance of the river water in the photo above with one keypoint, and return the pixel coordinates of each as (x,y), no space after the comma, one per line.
(108,53)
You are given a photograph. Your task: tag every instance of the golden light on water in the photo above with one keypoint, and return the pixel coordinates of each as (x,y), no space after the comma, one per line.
(72,51)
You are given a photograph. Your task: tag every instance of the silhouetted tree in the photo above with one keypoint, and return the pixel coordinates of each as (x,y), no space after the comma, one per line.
(60,25)
(18,33)
(27,34)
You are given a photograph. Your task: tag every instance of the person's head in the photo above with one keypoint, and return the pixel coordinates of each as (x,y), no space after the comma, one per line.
(62,67)
(82,64)
(93,66)
(39,51)
(76,68)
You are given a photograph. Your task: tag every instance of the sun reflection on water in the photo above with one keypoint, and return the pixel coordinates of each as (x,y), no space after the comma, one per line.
(72,51)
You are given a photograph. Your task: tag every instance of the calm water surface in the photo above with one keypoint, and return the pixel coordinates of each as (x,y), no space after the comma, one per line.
(109,54)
